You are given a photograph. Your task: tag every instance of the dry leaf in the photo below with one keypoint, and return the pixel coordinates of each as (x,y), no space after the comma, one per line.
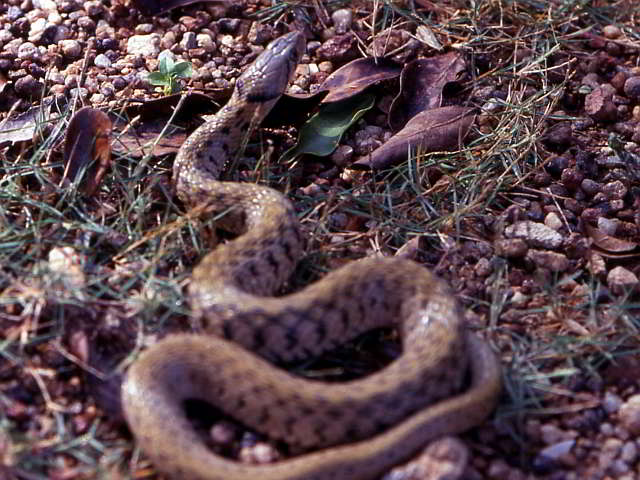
(87,145)
(607,242)
(439,129)
(22,127)
(142,138)
(356,76)
(421,85)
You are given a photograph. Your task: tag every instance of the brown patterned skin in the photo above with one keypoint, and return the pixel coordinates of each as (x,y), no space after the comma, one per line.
(362,427)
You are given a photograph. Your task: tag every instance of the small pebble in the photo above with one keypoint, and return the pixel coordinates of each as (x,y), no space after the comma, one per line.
(223,433)
(629,413)
(632,88)
(189,41)
(342,19)
(535,234)
(102,61)
(144,45)
(611,402)
(620,280)
(27,50)
(552,220)
(611,32)
(71,48)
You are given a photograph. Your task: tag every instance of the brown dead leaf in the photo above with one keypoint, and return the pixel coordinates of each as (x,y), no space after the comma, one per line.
(439,129)
(87,145)
(142,137)
(194,103)
(346,82)
(356,76)
(421,85)
(607,242)
(22,127)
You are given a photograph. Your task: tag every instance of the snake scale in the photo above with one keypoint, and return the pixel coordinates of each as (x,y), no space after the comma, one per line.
(361,427)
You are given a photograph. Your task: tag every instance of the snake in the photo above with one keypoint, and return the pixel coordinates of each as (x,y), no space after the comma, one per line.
(445,380)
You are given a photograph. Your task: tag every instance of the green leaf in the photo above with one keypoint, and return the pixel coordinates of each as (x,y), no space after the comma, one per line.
(322,132)
(182,70)
(158,79)
(165,63)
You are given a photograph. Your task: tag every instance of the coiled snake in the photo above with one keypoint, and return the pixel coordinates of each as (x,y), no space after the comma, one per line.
(413,400)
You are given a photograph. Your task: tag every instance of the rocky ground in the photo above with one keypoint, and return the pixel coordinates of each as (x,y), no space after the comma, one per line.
(534,223)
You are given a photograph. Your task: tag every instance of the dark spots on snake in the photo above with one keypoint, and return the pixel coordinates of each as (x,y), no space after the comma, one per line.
(280,403)
(389,403)
(352,433)
(262,97)
(335,413)
(225,131)
(264,416)
(277,358)
(227,329)
(250,253)
(258,390)
(289,424)
(347,291)
(321,332)
(344,319)
(373,301)
(442,376)
(319,433)
(306,411)
(275,266)
(267,243)
(380,426)
(365,412)
(258,339)
(193,378)
(307,353)
(253,270)
(225,147)
(291,337)
(292,229)
(386,307)
(286,249)
(240,403)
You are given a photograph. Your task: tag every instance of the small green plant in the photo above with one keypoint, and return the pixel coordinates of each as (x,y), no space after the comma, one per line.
(168,73)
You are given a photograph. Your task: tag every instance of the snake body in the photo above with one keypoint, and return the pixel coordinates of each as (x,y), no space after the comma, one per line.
(362,427)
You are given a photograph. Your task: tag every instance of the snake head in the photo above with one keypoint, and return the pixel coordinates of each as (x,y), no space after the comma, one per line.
(272,71)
